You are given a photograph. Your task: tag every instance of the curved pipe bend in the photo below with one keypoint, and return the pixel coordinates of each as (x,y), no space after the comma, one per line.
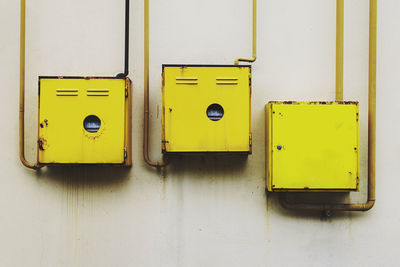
(254,37)
(27,164)
(325,207)
(254,58)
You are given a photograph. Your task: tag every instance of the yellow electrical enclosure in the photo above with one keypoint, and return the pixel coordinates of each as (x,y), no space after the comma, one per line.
(312,146)
(84,120)
(206,108)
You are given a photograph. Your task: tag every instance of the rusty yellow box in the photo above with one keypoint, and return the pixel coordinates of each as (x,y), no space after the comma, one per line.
(206,108)
(84,120)
(312,146)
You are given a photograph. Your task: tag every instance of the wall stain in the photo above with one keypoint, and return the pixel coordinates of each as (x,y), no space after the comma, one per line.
(79,184)
(267,225)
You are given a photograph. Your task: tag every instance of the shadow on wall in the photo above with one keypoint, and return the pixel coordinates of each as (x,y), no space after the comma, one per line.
(221,165)
(85,176)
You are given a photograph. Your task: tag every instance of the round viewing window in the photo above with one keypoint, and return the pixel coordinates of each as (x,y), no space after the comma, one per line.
(215,112)
(92,123)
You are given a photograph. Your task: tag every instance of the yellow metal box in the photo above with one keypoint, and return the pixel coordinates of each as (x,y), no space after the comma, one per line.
(312,146)
(84,120)
(206,108)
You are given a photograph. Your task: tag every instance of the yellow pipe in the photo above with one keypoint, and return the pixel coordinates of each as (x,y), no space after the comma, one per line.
(146,91)
(22,93)
(371,133)
(254,37)
(339,48)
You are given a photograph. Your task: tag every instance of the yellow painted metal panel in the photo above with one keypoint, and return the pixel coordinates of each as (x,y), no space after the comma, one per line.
(64,103)
(189,91)
(312,146)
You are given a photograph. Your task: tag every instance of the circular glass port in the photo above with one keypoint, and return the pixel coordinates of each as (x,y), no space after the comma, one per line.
(215,112)
(92,123)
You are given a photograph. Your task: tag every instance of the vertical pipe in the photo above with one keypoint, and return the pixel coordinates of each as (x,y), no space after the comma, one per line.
(339,48)
(372,98)
(126,64)
(254,37)
(254,30)
(146,91)
(22,92)
(126,38)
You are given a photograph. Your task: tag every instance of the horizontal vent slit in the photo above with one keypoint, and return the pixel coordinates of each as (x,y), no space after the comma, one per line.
(227,79)
(188,80)
(193,83)
(97,92)
(227,83)
(67,92)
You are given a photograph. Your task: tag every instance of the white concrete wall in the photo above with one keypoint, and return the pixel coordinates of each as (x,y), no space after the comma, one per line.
(202,211)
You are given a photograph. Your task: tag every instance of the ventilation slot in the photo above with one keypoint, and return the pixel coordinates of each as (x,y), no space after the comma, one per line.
(66,92)
(189,81)
(227,81)
(97,92)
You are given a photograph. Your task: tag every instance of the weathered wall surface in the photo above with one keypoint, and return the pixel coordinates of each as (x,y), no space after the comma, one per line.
(201,211)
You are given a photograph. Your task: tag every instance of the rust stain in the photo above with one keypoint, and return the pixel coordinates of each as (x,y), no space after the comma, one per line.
(42,143)
(267,223)
(73,200)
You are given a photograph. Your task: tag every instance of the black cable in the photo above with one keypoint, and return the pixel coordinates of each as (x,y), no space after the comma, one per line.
(126,71)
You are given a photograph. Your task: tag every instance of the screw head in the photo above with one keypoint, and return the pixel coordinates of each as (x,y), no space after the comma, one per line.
(279,147)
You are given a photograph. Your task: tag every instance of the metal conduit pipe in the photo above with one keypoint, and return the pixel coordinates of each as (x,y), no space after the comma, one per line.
(254,37)
(339,48)
(146,91)
(22,93)
(126,55)
(371,128)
